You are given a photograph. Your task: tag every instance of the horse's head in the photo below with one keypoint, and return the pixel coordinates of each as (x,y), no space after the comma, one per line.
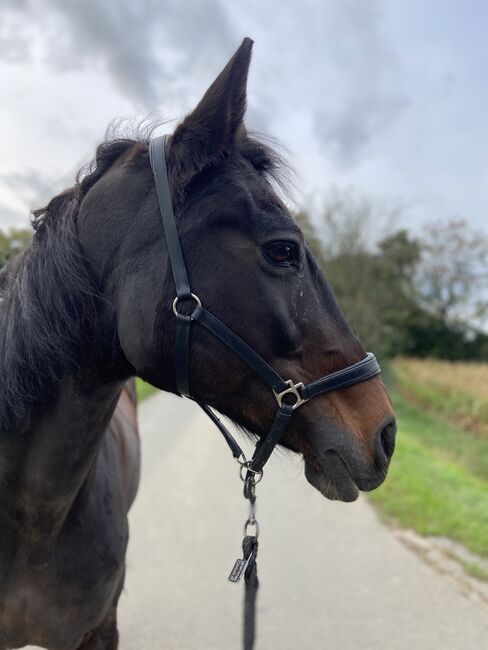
(251,268)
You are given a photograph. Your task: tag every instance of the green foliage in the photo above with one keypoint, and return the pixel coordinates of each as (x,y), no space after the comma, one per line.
(395,292)
(452,274)
(372,284)
(12,243)
(428,336)
(475,570)
(431,486)
(311,236)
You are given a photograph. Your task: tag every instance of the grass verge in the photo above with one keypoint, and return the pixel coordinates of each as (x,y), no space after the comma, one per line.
(438,480)
(475,570)
(457,390)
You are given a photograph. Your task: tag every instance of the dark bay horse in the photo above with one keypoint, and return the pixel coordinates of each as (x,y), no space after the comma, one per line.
(88,306)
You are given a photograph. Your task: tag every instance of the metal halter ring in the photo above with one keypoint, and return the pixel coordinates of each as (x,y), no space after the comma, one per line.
(257,475)
(294,390)
(192,295)
(251,522)
(244,462)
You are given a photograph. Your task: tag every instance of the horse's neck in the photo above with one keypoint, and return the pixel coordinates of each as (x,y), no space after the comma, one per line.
(50,428)
(50,462)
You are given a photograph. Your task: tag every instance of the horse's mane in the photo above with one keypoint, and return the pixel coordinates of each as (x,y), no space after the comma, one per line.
(48,300)
(47,297)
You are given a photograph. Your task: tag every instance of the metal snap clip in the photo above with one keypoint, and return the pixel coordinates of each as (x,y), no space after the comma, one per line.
(251,522)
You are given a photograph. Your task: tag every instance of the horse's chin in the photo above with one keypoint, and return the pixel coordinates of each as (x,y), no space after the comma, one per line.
(333,479)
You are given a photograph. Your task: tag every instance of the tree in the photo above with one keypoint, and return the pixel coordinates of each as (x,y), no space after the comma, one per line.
(452,277)
(311,236)
(399,255)
(12,243)
(371,279)
(401,294)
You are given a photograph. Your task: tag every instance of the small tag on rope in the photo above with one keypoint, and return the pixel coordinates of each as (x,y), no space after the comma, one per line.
(238,569)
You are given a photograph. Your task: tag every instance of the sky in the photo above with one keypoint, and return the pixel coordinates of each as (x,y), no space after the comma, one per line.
(385,98)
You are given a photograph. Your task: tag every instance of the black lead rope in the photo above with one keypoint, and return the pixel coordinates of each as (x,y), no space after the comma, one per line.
(248,565)
(250,551)
(289,395)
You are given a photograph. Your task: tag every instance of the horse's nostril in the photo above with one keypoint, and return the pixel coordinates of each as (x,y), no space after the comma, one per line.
(387,437)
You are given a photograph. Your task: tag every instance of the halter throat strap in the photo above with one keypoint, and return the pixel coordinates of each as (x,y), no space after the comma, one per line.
(289,395)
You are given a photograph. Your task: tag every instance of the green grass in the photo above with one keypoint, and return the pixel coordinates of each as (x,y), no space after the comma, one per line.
(457,390)
(475,570)
(438,480)
(448,441)
(144,389)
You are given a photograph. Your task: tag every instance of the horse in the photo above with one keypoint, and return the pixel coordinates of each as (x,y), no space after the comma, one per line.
(88,306)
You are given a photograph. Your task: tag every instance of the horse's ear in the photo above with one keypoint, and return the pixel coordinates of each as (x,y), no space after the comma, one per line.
(210,129)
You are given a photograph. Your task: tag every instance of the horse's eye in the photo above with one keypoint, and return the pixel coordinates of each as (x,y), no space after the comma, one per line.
(282,253)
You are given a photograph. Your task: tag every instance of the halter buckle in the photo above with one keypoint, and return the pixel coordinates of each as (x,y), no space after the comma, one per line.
(294,389)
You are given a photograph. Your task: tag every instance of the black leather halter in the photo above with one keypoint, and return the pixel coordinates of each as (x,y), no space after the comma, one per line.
(289,395)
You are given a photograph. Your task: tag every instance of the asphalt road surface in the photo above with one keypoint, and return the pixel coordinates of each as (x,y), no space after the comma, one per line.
(332,576)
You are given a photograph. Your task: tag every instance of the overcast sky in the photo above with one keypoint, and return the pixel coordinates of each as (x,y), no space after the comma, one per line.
(384,96)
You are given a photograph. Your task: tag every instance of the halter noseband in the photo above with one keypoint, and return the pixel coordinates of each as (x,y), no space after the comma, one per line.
(289,395)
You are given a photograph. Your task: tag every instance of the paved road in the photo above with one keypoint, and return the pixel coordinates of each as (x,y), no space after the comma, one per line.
(332,576)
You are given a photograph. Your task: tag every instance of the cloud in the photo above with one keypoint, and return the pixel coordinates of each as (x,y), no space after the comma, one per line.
(11,218)
(332,63)
(32,187)
(370,97)
(352,88)
(347,129)
(14,36)
(333,53)
(146,47)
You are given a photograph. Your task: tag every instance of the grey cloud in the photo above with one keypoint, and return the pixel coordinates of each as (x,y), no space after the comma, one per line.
(258,118)
(348,129)
(33,187)
(119,35)
(369,76)
(146,47)
(62,129)
(327,57)
(329,62)
(11,218)
(14,48)
(15,43)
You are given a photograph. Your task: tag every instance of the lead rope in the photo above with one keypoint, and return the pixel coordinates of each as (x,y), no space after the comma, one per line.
(251,473)
(247,566)
(250,552)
